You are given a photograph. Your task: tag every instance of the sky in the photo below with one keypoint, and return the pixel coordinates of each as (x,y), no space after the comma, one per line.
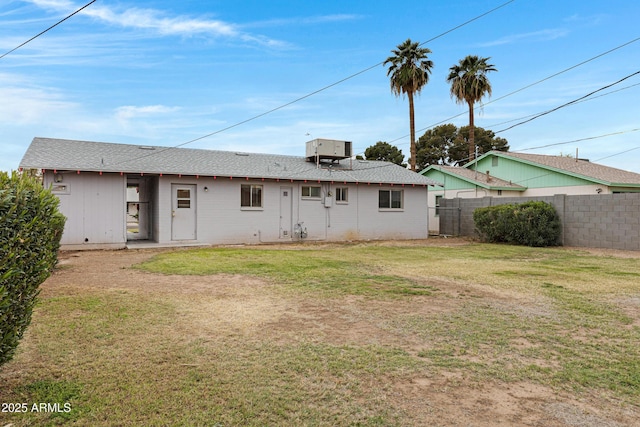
(171,72)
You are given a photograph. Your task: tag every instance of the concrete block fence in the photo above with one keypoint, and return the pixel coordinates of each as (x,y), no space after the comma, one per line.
(598,221)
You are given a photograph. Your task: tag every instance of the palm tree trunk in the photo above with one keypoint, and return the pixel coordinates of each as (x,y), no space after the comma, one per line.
(412,131)
(472,142)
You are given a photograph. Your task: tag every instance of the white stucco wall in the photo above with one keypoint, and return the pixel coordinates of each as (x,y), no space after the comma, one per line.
(221,220)
(95,207)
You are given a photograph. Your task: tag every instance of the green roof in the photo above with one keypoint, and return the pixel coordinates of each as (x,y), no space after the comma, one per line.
(577,168)
(482,180)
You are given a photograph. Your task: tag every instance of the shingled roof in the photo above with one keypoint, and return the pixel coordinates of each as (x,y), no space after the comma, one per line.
(480,179)
(64,154)
(576,167)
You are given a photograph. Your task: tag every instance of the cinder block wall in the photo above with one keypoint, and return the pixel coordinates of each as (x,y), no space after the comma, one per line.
(598,221)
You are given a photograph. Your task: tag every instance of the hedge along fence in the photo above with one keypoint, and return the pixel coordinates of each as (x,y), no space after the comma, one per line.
(30,232)
(529,223)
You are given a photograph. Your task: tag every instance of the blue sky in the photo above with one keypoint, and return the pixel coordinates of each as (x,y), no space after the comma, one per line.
(167,72)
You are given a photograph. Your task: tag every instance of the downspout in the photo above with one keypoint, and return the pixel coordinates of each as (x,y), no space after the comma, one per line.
(427,215)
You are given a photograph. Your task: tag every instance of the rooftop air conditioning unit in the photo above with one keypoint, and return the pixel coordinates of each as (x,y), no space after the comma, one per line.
(321,149)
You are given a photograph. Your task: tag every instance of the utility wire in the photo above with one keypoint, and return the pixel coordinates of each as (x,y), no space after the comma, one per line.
(597,160)
(569,103)
(617,154)
(312,93)
(577,140)
(525,87)
(584,100)
(51,27)
(461,161)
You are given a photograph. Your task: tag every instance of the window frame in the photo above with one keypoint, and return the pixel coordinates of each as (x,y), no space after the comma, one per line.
(437,203)
(183,201)
(251,206)
(390,207)
(342,195)
(310,195)
(60,188)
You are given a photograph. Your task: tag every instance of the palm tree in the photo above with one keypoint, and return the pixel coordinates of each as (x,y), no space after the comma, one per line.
(409,72)
(469,84)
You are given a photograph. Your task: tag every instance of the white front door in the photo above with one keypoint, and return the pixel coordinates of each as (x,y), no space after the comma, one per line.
(183,212)
(285,212)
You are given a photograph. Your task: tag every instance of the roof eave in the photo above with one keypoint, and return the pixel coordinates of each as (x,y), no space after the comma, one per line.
(542,166)
(240,176)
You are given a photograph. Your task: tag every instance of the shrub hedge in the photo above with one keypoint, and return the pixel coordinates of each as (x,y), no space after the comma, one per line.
(30,232)
(530,224)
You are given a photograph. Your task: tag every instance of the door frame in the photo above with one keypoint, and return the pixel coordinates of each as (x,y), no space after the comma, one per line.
(286,213)
(193,215)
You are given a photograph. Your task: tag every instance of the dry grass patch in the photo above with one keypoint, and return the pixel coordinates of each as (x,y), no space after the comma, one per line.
(361,334)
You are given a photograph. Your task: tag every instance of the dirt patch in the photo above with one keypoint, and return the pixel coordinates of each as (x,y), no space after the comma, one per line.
(614,253)
(224,305)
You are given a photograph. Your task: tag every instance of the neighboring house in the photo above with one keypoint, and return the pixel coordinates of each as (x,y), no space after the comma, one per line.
(464,183)
(113,194)
(506,174)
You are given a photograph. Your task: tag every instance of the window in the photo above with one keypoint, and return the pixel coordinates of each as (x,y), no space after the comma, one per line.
(494,161)
(60,188)
(342,194)
(183,197)
(390,199)
(250,196)
(438,198)
(309,192)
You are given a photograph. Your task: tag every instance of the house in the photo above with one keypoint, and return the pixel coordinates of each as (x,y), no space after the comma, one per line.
(115,195)
(465,183)
(506,174)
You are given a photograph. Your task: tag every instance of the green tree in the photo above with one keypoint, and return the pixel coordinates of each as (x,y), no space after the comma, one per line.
(434,146)
(469,84)
(384,151)
(408,72)
(30,232)
(485,139)
(447,145)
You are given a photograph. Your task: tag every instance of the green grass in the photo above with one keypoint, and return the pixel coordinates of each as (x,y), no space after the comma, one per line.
(585,333)
(328,273)
(560,318)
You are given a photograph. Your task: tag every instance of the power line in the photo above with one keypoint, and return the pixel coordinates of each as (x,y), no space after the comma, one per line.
(563,71)
(584,100)
(464,23)
(617,154)
(250,119)
(569,103)
(461,161)
(51,27)
(527,87)
(578,140)
(597,160)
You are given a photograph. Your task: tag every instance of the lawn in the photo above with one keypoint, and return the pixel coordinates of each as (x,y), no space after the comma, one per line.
(370,334)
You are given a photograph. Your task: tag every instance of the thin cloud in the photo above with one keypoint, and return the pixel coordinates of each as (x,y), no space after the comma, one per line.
(27,104)
(158,22)
(587,20)
(130,111)
(309,20)
(536,36)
